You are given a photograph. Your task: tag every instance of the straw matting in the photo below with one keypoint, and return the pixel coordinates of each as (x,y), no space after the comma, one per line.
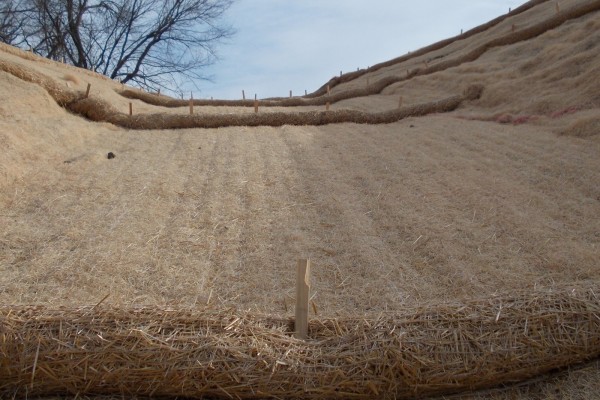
(228,354)
(320,97)
(424,50)
(97,109)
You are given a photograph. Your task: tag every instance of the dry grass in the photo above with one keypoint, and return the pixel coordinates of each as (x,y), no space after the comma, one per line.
(585,127)
(398,218)
(519,79)
(333,82)
(72,78)
(320,97)
(226,354)
(96,109)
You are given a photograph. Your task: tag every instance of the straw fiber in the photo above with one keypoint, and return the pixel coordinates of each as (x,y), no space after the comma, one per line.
(320,97)
(99,110)
(424,50)
(228,354)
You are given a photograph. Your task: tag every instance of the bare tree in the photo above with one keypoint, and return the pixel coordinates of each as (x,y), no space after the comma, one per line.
(152,43)
(10,23)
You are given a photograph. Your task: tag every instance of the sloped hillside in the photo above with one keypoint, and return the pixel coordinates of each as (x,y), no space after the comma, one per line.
(466,171)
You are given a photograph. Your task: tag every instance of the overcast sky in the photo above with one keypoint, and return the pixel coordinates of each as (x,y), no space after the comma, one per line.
(284,45)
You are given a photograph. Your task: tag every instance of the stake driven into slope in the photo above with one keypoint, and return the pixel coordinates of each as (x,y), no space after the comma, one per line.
(436,349)
(377,87)
(99,110)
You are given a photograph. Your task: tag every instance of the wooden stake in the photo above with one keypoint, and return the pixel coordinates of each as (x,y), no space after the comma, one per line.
(191,106)
(328,90)
(158,94)
(243,95)
(87,92)
(290,93)
(255,106)
(305,92)
(130,109)
(302,297)
(255,97)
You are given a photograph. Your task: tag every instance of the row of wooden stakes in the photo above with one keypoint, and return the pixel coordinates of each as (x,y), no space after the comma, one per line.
(191,106)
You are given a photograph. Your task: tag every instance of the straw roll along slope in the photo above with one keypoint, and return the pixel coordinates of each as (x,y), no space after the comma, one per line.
(444,62)
(99,110)
(413,224)
(437,349)
(423,51)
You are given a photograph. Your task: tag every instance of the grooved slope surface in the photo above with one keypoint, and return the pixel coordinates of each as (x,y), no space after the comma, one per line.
(498,194)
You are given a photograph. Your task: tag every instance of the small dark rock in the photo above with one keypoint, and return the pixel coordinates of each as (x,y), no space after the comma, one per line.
(110,155)
(412,126)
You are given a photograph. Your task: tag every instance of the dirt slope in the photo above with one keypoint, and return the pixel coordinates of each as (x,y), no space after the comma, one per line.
(421,210)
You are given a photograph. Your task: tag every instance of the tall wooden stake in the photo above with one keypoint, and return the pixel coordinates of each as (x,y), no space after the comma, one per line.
(302,297)
(290,93)
(191,106)
(328,90)
(130,109)
(243,95)
(255,106)
(87,92)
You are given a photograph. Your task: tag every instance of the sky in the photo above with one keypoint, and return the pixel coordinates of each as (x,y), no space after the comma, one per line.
(298,45)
